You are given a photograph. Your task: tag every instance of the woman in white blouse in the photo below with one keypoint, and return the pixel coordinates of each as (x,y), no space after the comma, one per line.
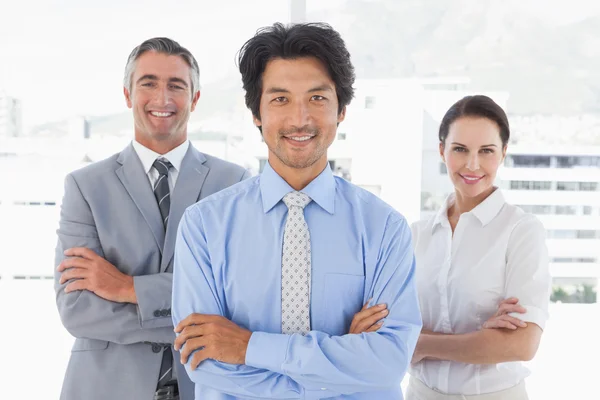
(482,271)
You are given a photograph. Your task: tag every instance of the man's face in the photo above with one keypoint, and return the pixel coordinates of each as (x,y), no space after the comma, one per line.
(298,112)
(161,99)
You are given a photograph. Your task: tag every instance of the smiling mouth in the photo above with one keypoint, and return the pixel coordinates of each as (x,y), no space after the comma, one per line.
(299,138)
(472,179)
(161,114)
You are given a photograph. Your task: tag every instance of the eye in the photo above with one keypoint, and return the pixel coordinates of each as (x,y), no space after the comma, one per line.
(280,99)
(488,151)
(176,87)
(148,84)
(460,149)
(317,97)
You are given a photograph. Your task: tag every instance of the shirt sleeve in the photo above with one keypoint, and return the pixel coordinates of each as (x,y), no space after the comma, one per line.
(194,291)
(527,271)
(355,363)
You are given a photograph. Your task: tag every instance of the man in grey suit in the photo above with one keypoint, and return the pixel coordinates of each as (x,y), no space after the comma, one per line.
(117,232)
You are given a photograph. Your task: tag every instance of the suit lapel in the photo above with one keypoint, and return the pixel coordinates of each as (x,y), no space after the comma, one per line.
(136,182)
(186,192)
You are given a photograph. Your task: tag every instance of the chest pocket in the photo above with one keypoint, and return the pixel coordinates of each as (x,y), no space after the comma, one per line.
(343,295)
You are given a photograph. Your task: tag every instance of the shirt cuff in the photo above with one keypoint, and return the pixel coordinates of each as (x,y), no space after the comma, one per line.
(533,314)
(267,351)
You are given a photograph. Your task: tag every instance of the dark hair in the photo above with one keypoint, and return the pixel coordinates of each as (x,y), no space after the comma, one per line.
(294,41)
(476,106)
(165,46)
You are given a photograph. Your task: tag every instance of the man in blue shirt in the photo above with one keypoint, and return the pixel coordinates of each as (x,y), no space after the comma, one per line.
(270,272)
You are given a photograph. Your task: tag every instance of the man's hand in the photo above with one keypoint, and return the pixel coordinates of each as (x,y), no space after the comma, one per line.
(501,319)
(368,319)
(214,336)
(88,271)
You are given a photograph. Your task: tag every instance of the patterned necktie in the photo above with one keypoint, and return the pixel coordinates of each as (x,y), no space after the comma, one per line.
(295,267)
(161,188)
(163,198)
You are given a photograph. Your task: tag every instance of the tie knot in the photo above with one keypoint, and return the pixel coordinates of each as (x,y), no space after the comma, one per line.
(296,199)
(162,165)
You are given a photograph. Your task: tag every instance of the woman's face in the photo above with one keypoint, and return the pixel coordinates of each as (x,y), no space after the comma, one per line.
(473,151)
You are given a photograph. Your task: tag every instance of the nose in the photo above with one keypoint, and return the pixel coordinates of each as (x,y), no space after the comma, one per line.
(299,115)
(162,96)
(473,162)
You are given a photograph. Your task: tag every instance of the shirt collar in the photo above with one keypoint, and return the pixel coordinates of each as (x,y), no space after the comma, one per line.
(147,156)
(484,212)
(321,190)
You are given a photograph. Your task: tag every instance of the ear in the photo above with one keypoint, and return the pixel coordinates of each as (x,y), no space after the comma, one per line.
(195,100)
(441,149)
(342,115)
(504,153)
(257,121)
(127,97)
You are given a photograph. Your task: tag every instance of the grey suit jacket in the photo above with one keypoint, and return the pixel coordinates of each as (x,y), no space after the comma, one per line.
(110,208)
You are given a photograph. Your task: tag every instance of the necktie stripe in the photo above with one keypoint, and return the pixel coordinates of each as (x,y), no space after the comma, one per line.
(160,177)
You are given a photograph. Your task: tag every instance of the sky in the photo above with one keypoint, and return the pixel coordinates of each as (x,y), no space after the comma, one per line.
(65,58)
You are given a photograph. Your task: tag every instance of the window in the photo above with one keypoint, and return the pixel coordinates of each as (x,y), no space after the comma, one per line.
(536,209)
(443,169)
(588,234)
(573,260)
(589,210)
(530,185)
(562,234)
(573,234)
(370,102)
(567,186)
(530,161)
(588,186)
(579,161)
(566,210)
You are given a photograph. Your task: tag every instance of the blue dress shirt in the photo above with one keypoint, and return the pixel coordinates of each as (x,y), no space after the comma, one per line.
(228,262)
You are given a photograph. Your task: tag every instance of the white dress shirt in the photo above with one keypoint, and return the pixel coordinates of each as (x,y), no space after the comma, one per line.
(175,157)
(497,251)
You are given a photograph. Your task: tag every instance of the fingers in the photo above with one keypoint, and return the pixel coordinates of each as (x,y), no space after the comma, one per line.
(510,300)
(366,323)
(361,315)
(75,262)
(504,321)
(80,252)
(192,345)
(200,356)
(375,327)
(364,319)
(507,308)
(190,332)
(79,284)
(196,319)
(73,273)
(366,305)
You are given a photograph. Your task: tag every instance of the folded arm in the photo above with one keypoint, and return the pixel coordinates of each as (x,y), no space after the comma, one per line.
(87,315)
(528,280)
(316,365)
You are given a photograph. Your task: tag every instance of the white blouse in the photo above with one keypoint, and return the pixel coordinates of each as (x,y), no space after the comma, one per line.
(497,251)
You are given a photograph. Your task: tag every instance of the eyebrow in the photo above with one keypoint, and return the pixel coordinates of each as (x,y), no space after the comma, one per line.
(320,88)
(485,145)
(155,78)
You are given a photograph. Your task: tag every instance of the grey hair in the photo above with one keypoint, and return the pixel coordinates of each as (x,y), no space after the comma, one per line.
(165,46)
